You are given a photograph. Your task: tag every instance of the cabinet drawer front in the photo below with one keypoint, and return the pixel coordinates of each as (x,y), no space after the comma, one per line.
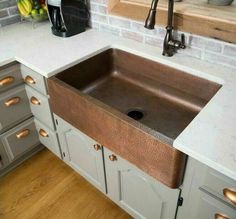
(207,207)
(33,79)
(212,181)
(20,139)
(40,107)
(48,137)
(10,76)
(216,183)
(14,107)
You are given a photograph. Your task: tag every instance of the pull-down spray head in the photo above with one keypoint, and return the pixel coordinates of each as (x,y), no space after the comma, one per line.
(151,18)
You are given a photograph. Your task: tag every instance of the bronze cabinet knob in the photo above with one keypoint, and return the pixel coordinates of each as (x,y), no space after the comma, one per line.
(6,80)
(12,101)
(23,133)
(34,101)
(112,157)
(97,147)
(230,194)
(221,216)
(43,133)
(29,80)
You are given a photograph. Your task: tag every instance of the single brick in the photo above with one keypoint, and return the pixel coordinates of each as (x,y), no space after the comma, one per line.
(7,3)
(9,20)
(154,41)
(99,18)
(132,35)
(13,10)
(109,29)
(230,50)
(220,59)
(98,8)
(3,13)
(115,21)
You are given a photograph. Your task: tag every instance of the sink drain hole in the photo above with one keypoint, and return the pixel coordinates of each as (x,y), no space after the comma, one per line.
(135,114)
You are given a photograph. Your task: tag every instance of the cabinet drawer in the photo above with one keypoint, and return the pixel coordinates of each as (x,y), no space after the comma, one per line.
(204,206)
(14,107)
(217,183)
(33,79)
(20,139)
(48,138)
(212,181)
(40,107)
(10,76)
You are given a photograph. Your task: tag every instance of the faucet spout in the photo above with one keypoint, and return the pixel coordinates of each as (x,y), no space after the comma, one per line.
(151,18)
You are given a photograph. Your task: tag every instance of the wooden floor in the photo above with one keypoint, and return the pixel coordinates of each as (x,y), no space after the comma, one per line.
(45,187)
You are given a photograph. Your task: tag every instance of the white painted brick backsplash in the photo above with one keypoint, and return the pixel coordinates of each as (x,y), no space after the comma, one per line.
(154,41)
(139,27)
(192,51)
(95,25)
(103,2)
(99,18)
(8,12)
(98,8)
(109,29)
(230,50)
(221,59)
(13,10)
(132,35)
(117,22)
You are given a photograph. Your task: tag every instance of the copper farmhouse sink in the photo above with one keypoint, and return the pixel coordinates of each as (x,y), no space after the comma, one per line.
(133,106)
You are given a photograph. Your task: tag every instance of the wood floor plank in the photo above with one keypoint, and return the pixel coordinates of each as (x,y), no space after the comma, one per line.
(44,187)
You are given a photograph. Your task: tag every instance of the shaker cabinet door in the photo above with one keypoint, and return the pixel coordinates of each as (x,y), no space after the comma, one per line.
(136,192)
(82,153)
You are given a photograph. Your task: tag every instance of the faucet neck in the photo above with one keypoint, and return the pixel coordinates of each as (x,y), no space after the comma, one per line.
(170,13)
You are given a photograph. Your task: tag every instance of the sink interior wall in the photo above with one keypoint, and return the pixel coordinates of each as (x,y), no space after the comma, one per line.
(170,98)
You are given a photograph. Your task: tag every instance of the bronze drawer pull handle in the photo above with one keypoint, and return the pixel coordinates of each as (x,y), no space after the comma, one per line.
(97,147)
(12,101)
(43,133)
(6,80)
(34,101)
(221,216)
(23,133)
(29,80)
(112,157)
(230,194)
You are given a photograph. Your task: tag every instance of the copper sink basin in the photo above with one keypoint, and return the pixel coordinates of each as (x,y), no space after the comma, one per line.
(134,106)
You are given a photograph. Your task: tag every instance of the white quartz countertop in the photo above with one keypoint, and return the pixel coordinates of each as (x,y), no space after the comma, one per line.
(210,138)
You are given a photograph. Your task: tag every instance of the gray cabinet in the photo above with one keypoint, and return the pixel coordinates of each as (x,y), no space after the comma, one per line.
(203,194)
(136,192)
(18,136)
(36,89)
(82,153)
